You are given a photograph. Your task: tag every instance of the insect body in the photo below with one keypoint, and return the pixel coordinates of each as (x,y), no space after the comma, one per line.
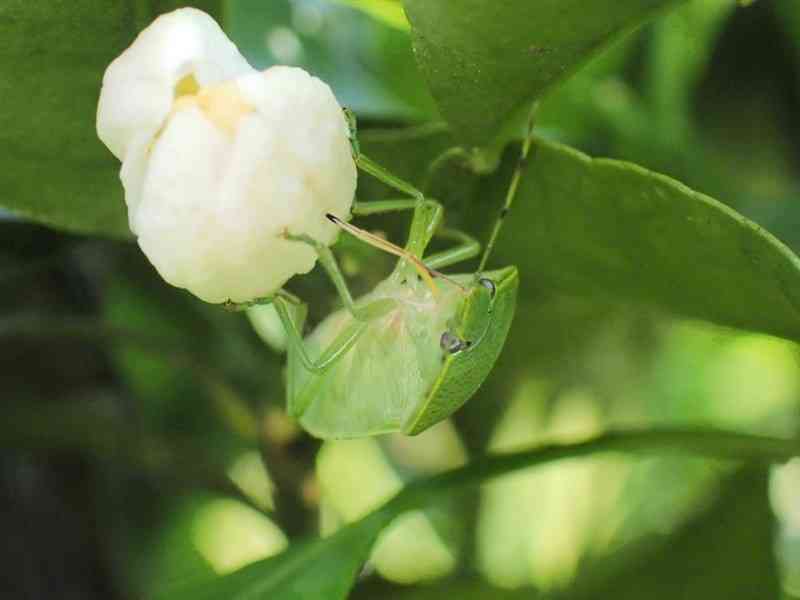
(418,356)
(411,352)
(416,348)
(236,180)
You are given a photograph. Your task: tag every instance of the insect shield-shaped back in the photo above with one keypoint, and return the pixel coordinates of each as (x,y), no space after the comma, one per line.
(472,348)
(416,361)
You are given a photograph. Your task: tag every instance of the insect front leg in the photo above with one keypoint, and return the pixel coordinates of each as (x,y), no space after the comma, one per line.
(368,165)
(331,266)
(382,174)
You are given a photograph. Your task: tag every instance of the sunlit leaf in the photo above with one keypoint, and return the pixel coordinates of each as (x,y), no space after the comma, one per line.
(325,569)
(725,552)
(322,569)
(388,11)
(730,543)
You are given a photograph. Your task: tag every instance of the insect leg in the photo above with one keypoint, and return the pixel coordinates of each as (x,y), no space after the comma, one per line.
(338,348)
(360,313)
(512,190)
(238,306)
(331,266)
(364,209)
(426,224)
(427,217)
(292,314)
(368,165)
(467,248)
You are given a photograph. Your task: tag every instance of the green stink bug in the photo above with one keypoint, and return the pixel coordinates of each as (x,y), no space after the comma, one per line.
(414,355)
(412,351)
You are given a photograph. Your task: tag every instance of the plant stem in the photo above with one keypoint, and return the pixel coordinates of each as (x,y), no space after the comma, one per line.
(711,443)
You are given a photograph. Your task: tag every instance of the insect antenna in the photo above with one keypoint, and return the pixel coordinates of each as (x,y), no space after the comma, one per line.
(512,190)
(424,271)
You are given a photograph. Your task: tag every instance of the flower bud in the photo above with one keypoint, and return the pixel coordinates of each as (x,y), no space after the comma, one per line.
(221,162)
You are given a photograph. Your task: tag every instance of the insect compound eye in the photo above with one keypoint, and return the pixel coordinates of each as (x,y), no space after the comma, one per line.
(452,343)
(489,285)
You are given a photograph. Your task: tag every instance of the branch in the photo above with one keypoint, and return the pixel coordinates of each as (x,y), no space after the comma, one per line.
(711,443)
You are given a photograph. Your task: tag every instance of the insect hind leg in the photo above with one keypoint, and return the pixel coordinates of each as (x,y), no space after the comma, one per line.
(468,247)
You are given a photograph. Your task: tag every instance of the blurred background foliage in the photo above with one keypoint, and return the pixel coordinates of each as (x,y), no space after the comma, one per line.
(143,433)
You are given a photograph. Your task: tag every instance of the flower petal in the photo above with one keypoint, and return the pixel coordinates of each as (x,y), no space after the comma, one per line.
(210,219)
(140,85)
(303,114)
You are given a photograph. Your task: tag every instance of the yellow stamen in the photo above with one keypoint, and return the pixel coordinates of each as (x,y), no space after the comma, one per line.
(187,86)
(222,104)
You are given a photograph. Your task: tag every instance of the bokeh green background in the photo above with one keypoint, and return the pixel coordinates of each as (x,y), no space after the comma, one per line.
(144,441)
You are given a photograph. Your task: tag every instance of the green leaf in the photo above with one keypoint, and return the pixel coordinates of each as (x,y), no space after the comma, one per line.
(322,569)
(597,226)
(325,569)
(53,169)
(487,60)
(678,54)
(361,49)
(788,12)
(587,225)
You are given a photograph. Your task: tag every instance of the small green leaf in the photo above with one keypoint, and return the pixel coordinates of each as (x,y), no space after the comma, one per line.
(587,225)
(325,569)
(53,169)
(487,60)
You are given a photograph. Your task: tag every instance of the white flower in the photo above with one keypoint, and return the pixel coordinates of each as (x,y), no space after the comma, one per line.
(220,161)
